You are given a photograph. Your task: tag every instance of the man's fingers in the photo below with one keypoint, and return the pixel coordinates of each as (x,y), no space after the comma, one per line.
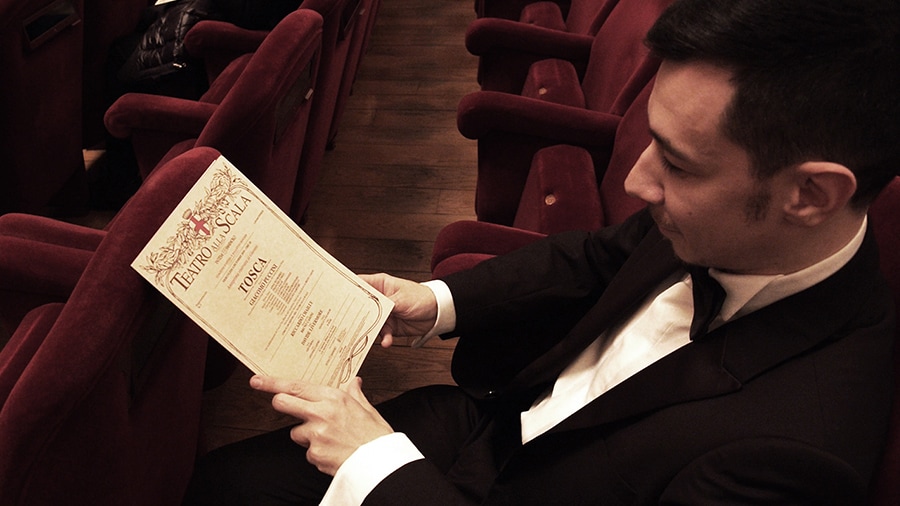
(387,337)
(298,436)
(376,281)
(301,389)
(270,384)
(296,407)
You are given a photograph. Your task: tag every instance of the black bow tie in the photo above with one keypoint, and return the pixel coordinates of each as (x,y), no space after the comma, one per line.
(708,298)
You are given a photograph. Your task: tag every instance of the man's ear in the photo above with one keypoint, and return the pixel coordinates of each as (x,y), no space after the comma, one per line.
(820,189)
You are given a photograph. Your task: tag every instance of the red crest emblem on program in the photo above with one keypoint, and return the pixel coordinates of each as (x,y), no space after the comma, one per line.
(198,224)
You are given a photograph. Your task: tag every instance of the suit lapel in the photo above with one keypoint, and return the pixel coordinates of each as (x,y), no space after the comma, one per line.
(805,320)
(651,262)
(691,373)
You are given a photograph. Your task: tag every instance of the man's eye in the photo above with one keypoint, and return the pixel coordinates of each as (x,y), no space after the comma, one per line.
(670,167)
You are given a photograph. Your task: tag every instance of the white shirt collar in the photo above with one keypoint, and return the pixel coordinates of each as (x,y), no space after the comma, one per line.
(746,293)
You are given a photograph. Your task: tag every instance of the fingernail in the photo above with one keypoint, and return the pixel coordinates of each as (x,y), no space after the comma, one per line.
(255,381)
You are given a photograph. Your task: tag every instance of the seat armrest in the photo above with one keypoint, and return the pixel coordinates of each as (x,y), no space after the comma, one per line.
(561,192)
(483,112)
(34,273)
(555,81)
(468,236)
(510,130)
(50,231)
(138,111)
(41,268)
(490,34)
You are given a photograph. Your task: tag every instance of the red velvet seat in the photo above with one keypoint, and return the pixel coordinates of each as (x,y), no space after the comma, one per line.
(40,100)
(256,112)
(883,214)
(100,395)
(28,245)
(507,48)
(556,108)
(561,193)
(328,90)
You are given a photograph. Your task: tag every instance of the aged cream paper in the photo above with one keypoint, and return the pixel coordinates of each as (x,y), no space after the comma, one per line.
(250,277)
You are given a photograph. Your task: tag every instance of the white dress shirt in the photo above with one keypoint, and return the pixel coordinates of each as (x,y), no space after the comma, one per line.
(660,326)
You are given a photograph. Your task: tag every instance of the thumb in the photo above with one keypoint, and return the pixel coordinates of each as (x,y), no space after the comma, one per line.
(354,389)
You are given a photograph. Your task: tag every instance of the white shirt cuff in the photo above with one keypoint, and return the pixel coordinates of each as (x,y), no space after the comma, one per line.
(367,467)
(446,311)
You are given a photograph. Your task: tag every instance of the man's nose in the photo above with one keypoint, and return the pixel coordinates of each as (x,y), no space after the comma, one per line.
(642,182)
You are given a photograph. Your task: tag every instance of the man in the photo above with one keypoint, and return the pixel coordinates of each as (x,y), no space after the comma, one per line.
(583,378)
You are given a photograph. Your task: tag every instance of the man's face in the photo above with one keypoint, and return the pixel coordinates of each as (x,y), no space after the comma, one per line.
(697,183)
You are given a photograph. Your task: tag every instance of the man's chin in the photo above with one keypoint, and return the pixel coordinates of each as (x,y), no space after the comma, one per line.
(677,245)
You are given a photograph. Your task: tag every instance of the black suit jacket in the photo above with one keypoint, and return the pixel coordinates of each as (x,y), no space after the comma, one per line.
(786,405)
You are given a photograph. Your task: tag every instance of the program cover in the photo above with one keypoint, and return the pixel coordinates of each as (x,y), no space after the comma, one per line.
(250,277)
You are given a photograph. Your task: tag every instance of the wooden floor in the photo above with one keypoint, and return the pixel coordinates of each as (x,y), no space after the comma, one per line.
(400,171)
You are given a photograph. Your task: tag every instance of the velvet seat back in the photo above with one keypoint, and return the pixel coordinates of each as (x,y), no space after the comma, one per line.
(360,17)
(40,100)
(632,138)
(261,125)
(883,216)
(620,66)
(336,42)
(100,395)
(587,16)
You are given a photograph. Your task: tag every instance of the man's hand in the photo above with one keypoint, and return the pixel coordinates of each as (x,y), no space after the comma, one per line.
(415,308)
(333,423)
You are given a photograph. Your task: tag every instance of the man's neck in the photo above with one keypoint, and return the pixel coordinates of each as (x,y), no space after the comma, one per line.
(827,240)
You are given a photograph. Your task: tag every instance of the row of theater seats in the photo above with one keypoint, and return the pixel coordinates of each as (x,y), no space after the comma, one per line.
(56,87)
(541,108)
(101,379)
(274,100)
(560,120)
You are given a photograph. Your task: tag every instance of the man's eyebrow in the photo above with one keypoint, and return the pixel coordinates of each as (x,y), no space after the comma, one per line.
(667,146)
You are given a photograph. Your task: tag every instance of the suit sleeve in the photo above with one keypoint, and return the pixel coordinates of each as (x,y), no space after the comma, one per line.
(766,471)
(418,482)
(512,308)
(569,266)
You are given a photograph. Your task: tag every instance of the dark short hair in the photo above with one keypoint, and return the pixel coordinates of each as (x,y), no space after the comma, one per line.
(814,79)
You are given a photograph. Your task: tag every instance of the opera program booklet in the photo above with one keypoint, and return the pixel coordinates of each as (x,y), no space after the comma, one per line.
(251,278)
